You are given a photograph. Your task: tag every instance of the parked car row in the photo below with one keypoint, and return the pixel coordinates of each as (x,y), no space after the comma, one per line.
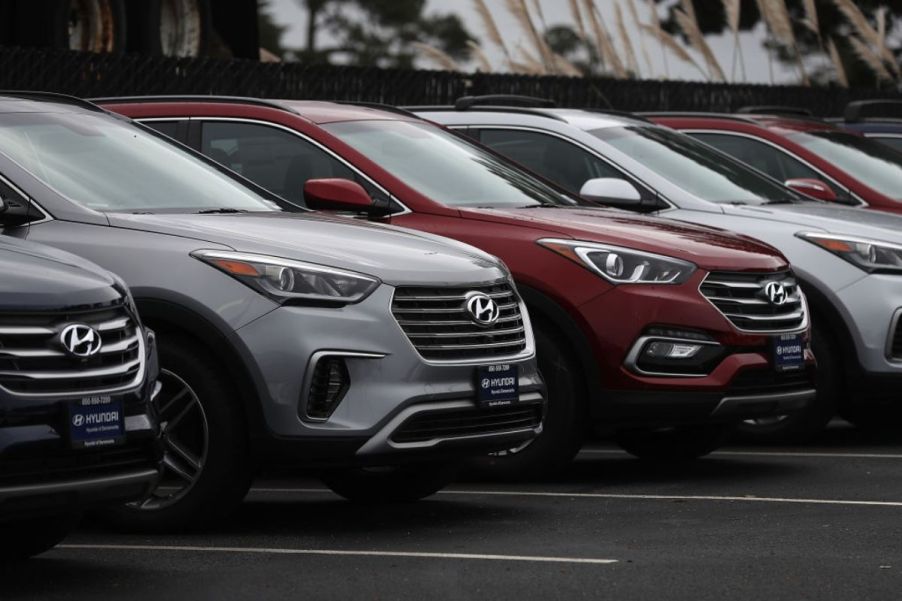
(380,294)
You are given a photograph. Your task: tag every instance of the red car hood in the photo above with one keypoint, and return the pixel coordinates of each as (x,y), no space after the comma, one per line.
(710,248)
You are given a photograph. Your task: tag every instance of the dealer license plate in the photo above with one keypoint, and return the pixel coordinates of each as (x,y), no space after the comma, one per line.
(497,385)
(788,352)
(96,421)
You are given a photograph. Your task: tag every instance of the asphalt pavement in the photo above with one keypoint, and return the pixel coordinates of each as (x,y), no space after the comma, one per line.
(819,522)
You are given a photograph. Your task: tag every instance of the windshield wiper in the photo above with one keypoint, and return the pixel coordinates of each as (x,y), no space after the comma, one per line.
(221,210)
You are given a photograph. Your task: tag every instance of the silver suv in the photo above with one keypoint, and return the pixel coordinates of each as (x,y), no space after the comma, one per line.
(848,261)
(284,337)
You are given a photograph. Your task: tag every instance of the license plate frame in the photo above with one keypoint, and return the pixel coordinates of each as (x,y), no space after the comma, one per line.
(788,352)
(95,421)
(497,385)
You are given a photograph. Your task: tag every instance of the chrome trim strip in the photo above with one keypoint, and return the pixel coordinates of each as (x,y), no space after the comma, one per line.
(797,395)
(381,442)
(632,358)
(73,375)
(463,322)
(787,316)
(26,331)
(461,297)
(113,324)
(458,347)
(31,353)
(444,309)
(470,334)
(121,346)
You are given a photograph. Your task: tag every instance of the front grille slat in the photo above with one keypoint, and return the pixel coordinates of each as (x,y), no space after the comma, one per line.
(439,326)
(34,362)
(742,298)
(456,423)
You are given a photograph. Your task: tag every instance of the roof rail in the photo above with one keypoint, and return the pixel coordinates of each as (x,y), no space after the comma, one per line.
(767,109)
(490,109)
(700,114)
(390,108)
(194,98)
(616,113)
(466,102)
(52,97)
(855,111)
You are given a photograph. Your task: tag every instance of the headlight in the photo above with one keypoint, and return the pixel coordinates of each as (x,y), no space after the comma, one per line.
(622,265)
(287,281)
(873,256)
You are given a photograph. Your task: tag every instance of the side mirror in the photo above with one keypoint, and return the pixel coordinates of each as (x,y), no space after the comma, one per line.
(814,188)
(611,191)
(335,194)
(14,213)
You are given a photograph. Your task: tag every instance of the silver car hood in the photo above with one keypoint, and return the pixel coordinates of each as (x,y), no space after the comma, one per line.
(827,218)
(394,255)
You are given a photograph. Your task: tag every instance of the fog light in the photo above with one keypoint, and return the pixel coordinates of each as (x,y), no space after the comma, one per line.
(328,385)
(672,350)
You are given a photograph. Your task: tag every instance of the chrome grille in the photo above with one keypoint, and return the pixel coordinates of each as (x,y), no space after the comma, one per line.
(743,299)
(438,324)
(34,362)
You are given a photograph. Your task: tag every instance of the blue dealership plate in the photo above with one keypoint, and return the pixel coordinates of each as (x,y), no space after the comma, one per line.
(96,421)
(497,385)
(789,352)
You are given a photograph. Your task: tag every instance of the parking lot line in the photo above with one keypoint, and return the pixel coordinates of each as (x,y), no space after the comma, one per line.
(766,454)
(626,496)
(337,552)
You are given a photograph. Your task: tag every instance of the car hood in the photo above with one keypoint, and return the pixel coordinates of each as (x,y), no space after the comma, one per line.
(394,255)
(827,218)
(709,248)
(39,278)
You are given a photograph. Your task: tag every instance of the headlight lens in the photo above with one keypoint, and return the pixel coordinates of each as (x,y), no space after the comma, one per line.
(872,256)
(287,281)
(622,265)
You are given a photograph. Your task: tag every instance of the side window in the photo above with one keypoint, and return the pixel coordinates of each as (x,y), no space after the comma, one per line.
(275,159)
(555,159)
(764,157)
(893,142)
(167,128)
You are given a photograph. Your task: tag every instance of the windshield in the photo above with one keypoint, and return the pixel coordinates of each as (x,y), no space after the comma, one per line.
(106,165)
(445,168)
(695,166)
(874,164)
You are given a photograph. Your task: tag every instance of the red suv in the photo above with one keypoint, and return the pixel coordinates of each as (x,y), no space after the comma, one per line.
(810,155)
(658,332)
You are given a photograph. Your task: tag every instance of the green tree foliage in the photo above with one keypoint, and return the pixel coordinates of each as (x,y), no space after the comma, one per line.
(378,32)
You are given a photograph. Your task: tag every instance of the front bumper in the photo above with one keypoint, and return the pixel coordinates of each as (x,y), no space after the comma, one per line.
(390,384)
(872,308)
(726,390)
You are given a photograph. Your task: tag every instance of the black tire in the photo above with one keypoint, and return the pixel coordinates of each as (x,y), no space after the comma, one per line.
(396,484)
(26,538)
(146,23)
(564,426)
(803,425)
(48,22)
(224,474)
(681,443)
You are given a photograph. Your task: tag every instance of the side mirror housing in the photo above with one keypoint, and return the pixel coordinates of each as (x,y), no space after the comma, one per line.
(814,188)
(611,191)
(14,213)
(335,194)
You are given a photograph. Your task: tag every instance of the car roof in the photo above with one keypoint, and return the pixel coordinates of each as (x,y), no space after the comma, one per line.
(740,121)
(586,119)
(43,102)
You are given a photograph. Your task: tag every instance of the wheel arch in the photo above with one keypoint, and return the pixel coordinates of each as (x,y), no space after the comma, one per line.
(543,309)
(167,315)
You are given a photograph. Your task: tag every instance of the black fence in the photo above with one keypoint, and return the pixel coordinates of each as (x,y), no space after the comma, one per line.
(87,75)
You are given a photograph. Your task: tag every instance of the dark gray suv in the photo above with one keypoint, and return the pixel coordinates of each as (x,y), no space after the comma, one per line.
(286,337)
(77,372)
